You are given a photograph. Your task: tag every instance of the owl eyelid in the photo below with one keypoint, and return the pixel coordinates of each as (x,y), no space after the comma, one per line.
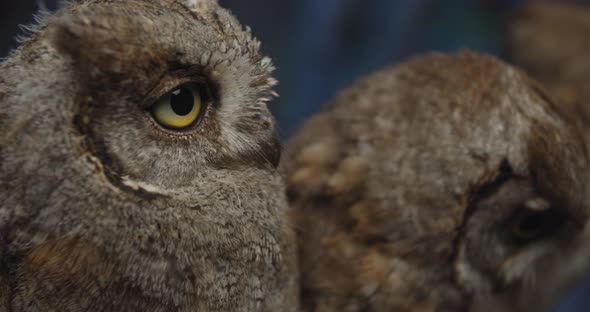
(170,82)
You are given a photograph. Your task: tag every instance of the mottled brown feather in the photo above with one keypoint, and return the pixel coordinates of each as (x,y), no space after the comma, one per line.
(392,184)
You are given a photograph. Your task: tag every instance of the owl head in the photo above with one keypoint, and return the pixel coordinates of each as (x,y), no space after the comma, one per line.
(446,183)
(141,129)
(161,91)
(167,88)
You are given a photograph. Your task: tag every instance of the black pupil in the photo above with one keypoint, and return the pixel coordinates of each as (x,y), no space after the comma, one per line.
(182,101)
(536,224)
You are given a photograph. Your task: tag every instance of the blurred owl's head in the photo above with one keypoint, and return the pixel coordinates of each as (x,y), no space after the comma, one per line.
(449,182)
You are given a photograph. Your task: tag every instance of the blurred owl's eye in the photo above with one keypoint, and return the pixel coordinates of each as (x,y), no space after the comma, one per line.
(180,108)
(530,225)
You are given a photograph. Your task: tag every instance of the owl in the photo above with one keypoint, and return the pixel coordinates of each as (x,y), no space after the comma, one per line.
(138,164)
(447,183)
(550,41)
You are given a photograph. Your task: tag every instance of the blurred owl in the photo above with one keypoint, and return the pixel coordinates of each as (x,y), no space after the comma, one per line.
(138,165)
(447,183)
(550,41)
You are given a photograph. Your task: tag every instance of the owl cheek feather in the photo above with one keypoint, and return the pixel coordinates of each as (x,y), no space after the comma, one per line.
(263,154)
(271,151)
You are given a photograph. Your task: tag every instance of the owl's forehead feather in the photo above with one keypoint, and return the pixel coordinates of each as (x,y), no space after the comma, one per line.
(123,37)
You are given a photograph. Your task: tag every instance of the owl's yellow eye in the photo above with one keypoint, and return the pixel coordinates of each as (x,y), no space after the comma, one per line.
(179,108)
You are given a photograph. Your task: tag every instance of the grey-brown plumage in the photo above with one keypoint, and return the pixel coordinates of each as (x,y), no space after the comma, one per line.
(105,205)
(551,42)
(447,183)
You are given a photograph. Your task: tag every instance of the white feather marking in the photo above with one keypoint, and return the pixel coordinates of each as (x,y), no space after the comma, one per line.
(198,5)
(139,185)
(522,266)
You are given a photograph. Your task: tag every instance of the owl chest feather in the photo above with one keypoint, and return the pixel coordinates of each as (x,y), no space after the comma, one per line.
(148,252)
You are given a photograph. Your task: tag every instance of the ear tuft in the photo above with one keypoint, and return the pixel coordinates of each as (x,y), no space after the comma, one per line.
(100,42)
(65,37)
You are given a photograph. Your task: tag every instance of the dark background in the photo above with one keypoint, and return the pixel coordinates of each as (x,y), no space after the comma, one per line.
(321,46)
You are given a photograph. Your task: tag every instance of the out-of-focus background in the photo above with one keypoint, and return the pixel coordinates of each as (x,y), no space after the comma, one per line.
(321,46)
